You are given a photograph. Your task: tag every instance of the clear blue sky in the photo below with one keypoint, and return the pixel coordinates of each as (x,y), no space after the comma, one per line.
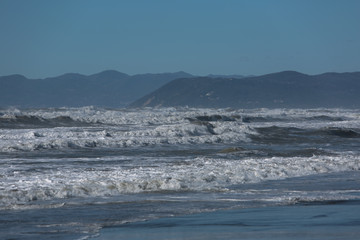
(43,38)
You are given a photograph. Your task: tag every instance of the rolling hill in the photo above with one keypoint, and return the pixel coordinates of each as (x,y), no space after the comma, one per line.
(288,89)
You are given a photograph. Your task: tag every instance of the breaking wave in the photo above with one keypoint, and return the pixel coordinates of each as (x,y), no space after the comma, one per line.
(89,127)
(154,175)
(26,122)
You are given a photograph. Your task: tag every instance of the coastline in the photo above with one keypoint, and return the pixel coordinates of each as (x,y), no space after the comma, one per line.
(319,220)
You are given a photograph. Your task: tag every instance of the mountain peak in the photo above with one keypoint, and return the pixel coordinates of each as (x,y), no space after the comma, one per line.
(109,74)
(14,77)
(67,76)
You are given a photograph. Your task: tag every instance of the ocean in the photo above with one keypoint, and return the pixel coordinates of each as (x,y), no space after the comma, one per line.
(78,173)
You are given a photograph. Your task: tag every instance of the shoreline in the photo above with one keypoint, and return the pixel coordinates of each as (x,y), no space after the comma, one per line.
(329,220)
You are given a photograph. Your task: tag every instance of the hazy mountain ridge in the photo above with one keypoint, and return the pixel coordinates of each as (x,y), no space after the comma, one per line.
(115,89)
(107,89)
(276,90)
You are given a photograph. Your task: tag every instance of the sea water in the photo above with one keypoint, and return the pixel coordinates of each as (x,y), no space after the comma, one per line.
(67,173)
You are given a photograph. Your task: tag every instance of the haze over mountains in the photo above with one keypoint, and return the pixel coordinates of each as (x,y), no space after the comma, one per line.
(114,89)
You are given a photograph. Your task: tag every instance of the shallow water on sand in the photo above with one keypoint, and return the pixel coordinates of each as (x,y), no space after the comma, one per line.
(331,220)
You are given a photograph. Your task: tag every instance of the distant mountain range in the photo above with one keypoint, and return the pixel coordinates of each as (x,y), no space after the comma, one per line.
(287,89)
(114,89)
(106,89)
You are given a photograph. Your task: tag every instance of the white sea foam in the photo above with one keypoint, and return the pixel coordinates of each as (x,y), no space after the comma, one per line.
(92,162)
(62,178)
(59,138)
(126,128)
(171,115)
(131,131)
(19,186)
